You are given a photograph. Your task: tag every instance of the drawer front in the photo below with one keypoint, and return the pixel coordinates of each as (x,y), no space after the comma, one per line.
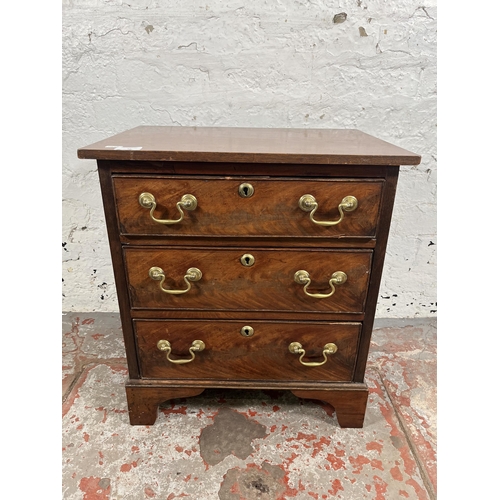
(228,285)
(228,354)
(272,210)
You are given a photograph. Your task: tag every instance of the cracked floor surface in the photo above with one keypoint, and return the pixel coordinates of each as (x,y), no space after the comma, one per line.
(246,445)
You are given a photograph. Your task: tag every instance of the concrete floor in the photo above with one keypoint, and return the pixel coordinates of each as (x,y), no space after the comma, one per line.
(246,445)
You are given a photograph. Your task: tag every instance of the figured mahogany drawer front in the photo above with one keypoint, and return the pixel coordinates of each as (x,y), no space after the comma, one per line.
(226,284)
(229,354)
(222,208)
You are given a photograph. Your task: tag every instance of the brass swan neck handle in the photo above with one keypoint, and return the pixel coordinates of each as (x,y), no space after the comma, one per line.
(302,278)
(308,203)
(192,274)
(187,202)
(196,346)
(296,348)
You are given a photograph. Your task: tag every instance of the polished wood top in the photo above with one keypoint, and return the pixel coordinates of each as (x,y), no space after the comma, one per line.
(249,145)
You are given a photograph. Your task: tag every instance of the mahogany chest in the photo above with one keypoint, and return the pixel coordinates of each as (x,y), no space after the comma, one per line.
(247,258)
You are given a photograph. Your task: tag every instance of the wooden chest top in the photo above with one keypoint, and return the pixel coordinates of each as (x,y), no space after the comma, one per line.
(248,145)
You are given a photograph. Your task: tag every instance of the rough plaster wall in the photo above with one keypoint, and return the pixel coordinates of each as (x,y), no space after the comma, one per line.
(360,64)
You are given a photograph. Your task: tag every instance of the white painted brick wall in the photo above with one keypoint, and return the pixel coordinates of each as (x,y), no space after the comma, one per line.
(266,63)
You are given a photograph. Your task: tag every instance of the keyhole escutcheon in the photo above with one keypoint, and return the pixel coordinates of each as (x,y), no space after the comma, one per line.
(245,190)
(246,331)
(247,260)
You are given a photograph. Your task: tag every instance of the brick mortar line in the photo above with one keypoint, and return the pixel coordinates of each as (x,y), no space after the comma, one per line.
(423,472)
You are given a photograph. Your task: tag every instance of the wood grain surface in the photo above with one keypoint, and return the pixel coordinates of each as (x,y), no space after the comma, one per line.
(264,355)
(268,285)
(273,209)
(257,145)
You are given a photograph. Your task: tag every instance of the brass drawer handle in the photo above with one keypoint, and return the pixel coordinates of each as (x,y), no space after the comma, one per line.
(188,202)
(192,274)
(196,346)
(296,348)
(302,278)
(308,203)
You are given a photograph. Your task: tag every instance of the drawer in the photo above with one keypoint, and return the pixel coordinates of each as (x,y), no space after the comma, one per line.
(227,354)
(272,210)
(226,284)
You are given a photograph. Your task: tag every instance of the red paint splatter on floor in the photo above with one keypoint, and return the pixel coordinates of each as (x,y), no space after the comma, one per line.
(97,336)
(116,367)
(95,488)
(318,446)
(149,492)
(396,473)
(88,321)
(288,461)
(290,492)
(105,413)
(403,493)
(114,410)
(276,408)
(86,437)
(336,487)
(359,462)
(306,437)
(380,488)
(128,467)
(135,449)
(168,411)
(235,488)
(377,464)
(336,462)
(101,456)
(374,446)
(73,395)
(179,449)
(273,428)
(75,326)
(404,449)
(421,493)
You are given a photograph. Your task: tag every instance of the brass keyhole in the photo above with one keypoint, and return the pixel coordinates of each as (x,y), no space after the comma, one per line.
(245,190)
(247,260)
(246,331)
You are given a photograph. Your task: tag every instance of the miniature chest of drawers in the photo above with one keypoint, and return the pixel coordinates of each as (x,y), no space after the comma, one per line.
(247,258)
